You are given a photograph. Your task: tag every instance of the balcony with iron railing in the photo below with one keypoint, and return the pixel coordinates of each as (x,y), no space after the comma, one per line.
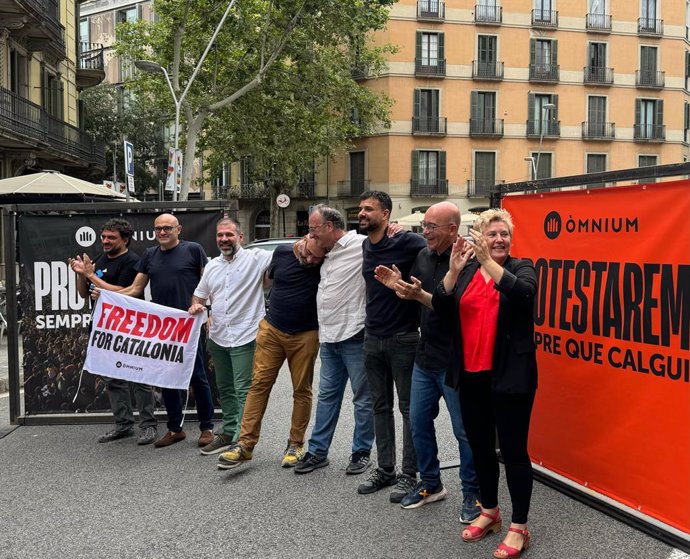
(650,79)
(304,189)
(488,15)
(359,72)
(595,130)
(249,190)
(544,72)
(353,187)
(545,18)
(91,69)
(45,21)
(649,132)
(432,10)
(430,69)
(31,123)
(429,125)
(598,23)
(427,187)
(481,188)
(486,127)
(487,70)
(545,128)
(598,75)
(650,26)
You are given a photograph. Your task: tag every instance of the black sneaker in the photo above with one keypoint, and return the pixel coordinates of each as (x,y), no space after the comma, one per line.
(404,486)
(378,479)
(310,462)
(115,435)
(423,494)
(359,463)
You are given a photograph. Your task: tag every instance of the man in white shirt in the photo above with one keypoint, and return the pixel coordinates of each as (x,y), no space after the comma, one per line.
(233,282)
(341,307)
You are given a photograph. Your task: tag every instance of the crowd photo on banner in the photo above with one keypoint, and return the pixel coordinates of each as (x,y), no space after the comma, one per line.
(158,313)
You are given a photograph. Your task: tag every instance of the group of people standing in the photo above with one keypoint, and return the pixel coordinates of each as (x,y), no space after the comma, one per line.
(431,317)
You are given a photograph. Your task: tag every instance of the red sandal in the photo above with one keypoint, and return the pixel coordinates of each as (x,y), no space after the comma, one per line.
(477,533)
(512,552)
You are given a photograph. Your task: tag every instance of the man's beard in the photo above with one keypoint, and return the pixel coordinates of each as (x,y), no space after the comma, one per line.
(229,251)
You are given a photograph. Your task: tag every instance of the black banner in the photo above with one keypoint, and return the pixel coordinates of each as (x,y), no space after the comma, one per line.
(55,319)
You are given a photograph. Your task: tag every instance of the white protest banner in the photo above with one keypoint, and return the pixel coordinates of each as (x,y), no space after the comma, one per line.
(143,342)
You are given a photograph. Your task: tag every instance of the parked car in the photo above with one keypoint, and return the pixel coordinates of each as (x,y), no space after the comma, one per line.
(271,244)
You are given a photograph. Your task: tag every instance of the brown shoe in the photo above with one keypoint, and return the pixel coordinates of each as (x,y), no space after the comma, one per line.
(169,438)
(206,437)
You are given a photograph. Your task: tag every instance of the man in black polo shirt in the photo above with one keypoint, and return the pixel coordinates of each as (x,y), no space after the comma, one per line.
(113,270)
(440,227)
(289,331)
(391,336)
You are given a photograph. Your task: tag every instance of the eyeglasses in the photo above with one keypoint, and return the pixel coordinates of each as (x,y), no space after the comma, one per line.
(432,226)
(164,228)
(319,226)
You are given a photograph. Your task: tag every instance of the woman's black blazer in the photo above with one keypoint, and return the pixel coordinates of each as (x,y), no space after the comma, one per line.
(515,362)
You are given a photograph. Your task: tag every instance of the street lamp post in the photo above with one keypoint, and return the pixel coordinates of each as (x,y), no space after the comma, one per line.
(533,166)
(155,68)
(545,108)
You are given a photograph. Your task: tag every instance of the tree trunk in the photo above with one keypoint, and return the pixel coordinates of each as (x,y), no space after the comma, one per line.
(192,137)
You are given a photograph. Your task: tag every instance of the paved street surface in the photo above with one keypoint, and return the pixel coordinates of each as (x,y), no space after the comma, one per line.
(65,496)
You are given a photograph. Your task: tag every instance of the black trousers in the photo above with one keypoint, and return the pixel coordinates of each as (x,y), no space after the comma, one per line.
(484,413)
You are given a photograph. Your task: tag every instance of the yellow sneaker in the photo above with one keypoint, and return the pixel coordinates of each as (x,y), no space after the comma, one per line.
(234,457)
(292,455)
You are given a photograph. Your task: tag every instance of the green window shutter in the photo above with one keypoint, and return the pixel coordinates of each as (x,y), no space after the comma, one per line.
(435,103)
(417,103)
(532,51)
(474,105)
(554,111)
(418,51)
(659,113)
(638,111)
(554,53)
(415,165)
(441,166)
(441,48)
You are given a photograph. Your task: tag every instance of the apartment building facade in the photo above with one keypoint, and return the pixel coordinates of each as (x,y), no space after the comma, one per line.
(43,68)
(488,92)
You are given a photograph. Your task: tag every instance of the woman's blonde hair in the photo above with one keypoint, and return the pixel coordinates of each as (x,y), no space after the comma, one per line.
(491,215)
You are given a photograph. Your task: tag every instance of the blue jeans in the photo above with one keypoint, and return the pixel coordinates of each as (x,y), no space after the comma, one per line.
(340,361)
(202,393)
(388,362)
(427,389)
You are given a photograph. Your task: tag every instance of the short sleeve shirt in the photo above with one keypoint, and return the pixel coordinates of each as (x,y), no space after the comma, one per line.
(173,273)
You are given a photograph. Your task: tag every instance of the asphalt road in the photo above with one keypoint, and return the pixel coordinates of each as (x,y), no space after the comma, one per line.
(65,496)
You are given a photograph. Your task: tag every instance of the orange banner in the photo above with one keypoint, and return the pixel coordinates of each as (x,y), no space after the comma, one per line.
(613,335)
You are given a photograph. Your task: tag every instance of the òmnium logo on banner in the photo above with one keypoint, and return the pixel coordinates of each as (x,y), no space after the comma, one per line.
(85,236)
(552,225)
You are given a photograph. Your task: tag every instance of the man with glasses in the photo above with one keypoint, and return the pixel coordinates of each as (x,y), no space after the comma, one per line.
(440,228)
(340,304)
(174,269)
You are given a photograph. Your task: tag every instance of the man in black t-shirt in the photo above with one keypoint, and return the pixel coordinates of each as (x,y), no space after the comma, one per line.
(114,270)
(289,331)
(174,269)
(390,340)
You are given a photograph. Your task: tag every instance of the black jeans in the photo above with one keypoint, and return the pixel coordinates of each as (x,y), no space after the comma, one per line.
(484,413)
(388,362)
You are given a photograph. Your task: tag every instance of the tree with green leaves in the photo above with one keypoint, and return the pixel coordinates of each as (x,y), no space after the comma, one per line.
(276,85)
(112,115)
